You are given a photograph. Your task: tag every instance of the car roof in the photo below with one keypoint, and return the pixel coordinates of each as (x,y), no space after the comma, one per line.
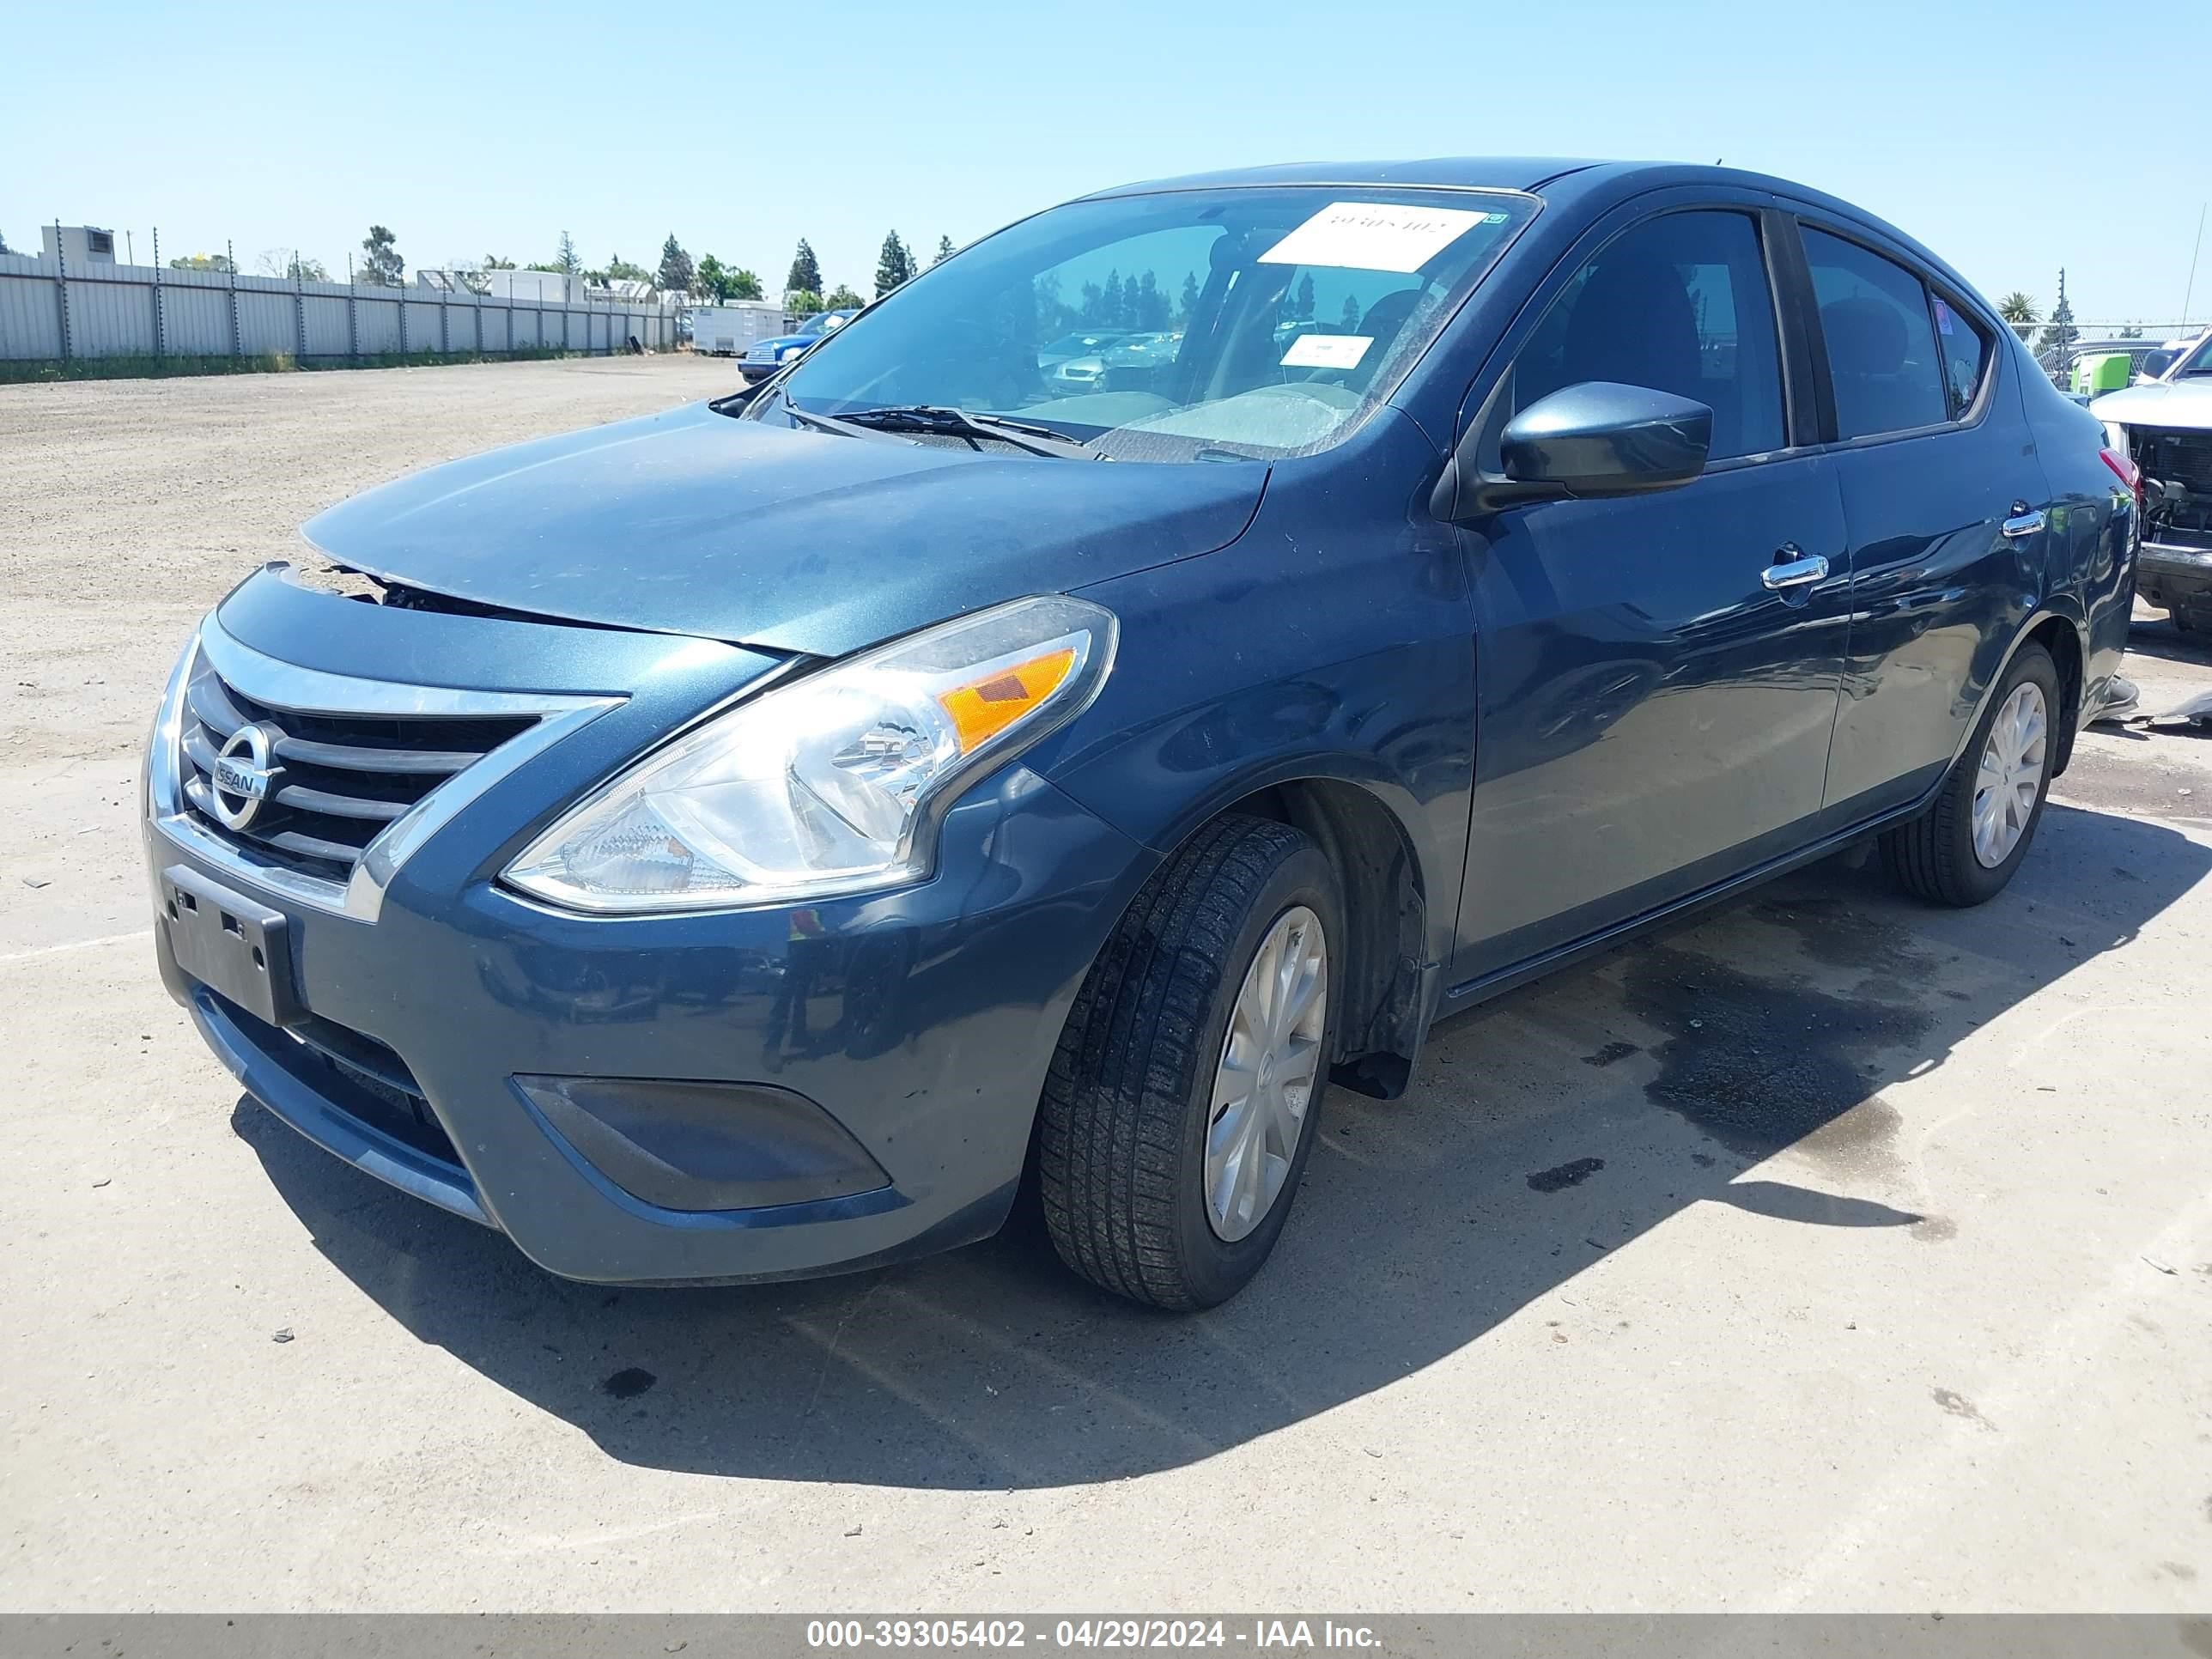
(1453,172)
(1559,179)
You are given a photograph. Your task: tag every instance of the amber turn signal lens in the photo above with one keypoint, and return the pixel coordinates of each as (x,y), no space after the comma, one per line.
(982,708)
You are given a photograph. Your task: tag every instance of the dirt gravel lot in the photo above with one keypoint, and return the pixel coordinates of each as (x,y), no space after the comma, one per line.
(1883,1281)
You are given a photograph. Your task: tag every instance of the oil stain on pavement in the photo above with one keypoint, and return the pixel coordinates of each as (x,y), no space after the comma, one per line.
(1761,1064)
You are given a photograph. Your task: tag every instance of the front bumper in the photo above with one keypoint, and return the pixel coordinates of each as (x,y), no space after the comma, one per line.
(919,1023)
(2171,577)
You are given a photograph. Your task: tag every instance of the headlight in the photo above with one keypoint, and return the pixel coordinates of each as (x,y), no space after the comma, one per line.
(788,353)
(825,786)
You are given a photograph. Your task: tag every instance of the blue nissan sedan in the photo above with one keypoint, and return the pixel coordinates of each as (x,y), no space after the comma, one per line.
(755,840)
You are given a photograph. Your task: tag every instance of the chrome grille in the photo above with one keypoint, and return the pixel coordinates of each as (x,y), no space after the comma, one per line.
(344,778)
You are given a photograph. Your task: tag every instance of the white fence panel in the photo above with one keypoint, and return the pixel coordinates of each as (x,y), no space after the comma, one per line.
(138,311)
(28,313)
(195,321)
(327,333)
(267,323)
(377,315)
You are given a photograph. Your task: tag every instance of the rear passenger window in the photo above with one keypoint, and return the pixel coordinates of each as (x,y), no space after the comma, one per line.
(1681,304)
(1965,350)
(1882,357)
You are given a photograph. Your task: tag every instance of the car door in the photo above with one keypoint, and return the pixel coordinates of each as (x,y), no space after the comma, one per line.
(1944,501)
(1657,677)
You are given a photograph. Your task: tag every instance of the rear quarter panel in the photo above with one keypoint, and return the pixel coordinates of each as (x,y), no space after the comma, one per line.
(2091,542)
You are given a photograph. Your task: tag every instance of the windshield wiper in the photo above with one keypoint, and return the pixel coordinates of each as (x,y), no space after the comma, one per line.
(937,417)
(831,424)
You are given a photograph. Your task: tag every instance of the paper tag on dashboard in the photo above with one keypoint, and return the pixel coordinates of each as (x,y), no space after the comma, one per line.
(1373,236)
(1327,350)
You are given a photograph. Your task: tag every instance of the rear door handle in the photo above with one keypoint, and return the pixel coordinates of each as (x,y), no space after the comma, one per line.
(1796,572)
(2024,523)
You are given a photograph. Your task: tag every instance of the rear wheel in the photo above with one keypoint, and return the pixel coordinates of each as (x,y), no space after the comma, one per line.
(1965,847)
(1181,1106)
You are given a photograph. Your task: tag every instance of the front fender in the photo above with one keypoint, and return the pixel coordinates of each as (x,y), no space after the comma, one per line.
(1333,641)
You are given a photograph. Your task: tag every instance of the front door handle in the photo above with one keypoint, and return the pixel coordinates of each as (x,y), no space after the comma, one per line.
(1796,572)
(2023,522)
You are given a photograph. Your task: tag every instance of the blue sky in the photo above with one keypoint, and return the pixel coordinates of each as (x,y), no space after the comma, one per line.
(471,128)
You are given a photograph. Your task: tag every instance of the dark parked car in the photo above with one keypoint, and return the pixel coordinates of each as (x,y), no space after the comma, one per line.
(754,840)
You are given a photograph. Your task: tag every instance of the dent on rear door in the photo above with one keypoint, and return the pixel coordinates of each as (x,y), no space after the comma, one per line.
(1938,593)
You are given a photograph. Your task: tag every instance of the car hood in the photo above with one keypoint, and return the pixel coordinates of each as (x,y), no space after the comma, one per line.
(2185,403)
(691,522)
(777,342)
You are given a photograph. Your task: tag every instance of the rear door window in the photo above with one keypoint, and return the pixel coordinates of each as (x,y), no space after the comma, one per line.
(1965,351)
(1882,357)
(1679,303)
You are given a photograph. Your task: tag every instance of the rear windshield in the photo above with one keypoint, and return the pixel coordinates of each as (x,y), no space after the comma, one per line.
(1229,323)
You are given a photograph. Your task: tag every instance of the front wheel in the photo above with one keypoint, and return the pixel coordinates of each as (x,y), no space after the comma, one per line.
(1965,847)
(1181,1105)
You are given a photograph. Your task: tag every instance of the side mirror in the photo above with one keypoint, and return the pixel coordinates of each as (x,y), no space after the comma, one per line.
(1599,439)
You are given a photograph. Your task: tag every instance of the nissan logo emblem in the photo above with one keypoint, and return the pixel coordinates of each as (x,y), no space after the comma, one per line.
(244,776)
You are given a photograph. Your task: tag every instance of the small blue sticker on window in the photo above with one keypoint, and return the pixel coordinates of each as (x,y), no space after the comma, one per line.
(1943,317)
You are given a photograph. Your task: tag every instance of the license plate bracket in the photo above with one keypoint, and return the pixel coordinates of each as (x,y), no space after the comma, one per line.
(232,944)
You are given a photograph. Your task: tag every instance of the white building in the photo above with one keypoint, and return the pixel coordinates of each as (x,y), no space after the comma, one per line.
(78,246)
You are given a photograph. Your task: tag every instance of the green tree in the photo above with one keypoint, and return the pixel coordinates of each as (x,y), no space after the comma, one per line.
(2021,312)
(564,258)
(383,268)
(1349,316)
(493,262)
(1190,296)
(1148,305)
(841,298)
(215,261)
(720,282)
(677,273)
(5,248)
(287,264)
(802,302)
(894,265)
(944,250)
(805,276)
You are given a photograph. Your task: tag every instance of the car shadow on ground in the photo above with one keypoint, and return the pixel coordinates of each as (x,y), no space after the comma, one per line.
(1542,1134)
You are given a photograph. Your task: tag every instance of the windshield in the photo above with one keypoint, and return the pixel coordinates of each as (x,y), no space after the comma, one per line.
(1189,325)
(820,323)
(2198,362)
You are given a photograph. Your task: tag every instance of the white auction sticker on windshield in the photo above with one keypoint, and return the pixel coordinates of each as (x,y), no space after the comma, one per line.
(1327,350)
(1373,236)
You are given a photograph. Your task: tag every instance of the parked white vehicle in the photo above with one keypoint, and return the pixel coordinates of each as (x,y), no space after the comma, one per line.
(2166,427)
(729,330)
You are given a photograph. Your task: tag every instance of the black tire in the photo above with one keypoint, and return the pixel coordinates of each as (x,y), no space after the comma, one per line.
(1932,857)
(1123,1124)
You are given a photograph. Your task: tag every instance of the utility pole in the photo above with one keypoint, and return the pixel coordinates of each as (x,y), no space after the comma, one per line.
(2189,293)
